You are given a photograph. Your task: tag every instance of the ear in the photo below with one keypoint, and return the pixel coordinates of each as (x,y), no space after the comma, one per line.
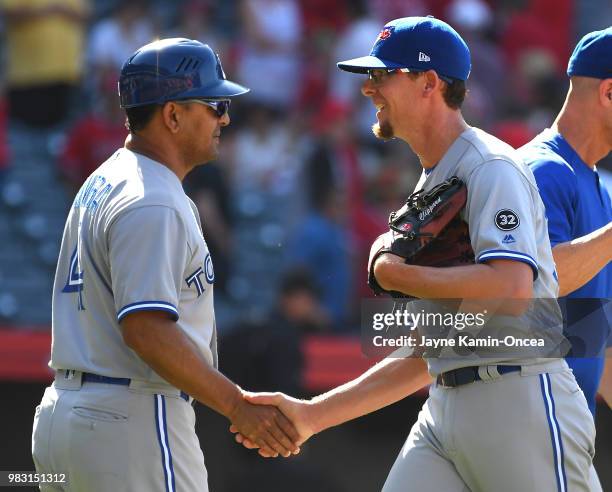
(171,116)
(605,93)
(431,82)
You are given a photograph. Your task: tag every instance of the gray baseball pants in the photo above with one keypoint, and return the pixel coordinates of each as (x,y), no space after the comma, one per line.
(120,438)
(529,431)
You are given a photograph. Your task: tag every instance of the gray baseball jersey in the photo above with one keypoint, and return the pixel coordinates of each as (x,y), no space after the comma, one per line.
(505,216)
(529,430)
(132,242)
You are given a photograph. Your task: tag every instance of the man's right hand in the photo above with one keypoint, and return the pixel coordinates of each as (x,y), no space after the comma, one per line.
(298,411)
(266,428)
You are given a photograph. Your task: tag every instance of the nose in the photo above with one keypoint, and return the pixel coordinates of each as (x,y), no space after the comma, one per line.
(367,88)
(225,119)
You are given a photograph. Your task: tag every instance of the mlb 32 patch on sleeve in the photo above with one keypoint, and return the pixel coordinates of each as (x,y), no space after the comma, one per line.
(507,220)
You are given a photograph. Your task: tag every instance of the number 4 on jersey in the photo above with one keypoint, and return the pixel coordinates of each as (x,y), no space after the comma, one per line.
(74,282)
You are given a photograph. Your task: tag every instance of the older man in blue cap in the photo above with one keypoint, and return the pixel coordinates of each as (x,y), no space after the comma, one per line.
(564,161)
(496,423)
(134,330)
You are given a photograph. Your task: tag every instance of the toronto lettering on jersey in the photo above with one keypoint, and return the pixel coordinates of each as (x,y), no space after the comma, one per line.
(195,280)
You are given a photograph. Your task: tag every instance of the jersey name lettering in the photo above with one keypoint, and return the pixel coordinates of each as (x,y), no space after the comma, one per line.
(92,193)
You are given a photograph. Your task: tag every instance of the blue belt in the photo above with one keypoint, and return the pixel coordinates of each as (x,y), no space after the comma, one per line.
(95,378)
(467,375)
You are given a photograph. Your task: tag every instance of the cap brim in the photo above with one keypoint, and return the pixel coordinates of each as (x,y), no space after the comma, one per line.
(365,63)
(227,88)
(220,90)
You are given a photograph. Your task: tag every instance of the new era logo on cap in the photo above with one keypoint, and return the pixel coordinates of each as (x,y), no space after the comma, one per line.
(423,57)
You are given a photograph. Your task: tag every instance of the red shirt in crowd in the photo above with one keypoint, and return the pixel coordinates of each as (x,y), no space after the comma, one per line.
(89,144)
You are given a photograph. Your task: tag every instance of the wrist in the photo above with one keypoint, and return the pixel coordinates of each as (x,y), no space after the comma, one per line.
(316,415)
(235,404)
(385,271)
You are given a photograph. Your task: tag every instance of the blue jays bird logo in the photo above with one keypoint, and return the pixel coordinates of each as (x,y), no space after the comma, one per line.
(385,33)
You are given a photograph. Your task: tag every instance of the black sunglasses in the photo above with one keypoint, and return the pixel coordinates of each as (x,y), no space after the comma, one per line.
(379,75)
(220,106)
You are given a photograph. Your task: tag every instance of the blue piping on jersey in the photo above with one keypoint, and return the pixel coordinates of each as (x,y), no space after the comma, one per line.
(555,432)
(164,414)
(508,255)
(162,438)
(148,306)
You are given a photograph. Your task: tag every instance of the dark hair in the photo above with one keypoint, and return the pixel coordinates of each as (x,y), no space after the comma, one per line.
(454,94)
(139,117)
(298,279)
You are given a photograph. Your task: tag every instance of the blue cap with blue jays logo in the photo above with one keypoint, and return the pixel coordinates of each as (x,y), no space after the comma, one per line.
(592,56)
(174,69)
(419,44)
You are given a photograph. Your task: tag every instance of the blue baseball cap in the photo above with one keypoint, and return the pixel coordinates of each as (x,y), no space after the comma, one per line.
(592,56)
(419,44)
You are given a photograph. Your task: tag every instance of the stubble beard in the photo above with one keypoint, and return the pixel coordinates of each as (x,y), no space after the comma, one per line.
(383,131)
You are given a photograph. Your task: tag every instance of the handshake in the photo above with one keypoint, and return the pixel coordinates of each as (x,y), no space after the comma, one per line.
(273,423)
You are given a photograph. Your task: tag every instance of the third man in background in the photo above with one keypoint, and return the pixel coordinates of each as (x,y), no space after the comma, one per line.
(563,159)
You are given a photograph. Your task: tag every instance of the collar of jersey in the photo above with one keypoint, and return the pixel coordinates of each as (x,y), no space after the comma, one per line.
(157,165)
(555,139)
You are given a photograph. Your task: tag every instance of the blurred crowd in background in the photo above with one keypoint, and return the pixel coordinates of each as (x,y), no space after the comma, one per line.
(302,187)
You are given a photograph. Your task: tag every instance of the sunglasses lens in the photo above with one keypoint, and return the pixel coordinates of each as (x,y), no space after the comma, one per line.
(377,75)
(222,107)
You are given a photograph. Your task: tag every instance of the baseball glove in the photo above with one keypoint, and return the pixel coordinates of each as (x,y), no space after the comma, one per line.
(427,230)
